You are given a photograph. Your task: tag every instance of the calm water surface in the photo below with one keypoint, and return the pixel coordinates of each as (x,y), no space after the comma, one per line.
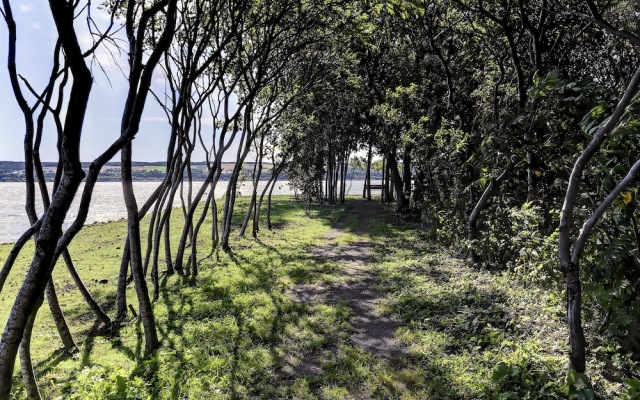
(107,203)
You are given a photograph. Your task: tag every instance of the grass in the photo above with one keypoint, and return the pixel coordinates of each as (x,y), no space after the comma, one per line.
(236,333)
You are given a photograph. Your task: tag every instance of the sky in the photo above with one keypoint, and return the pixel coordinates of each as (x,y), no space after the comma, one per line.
(36,37)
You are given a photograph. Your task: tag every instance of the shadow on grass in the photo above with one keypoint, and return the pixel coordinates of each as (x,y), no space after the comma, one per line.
(236,326)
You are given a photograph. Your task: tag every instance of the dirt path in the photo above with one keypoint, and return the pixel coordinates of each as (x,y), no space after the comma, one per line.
(372,331)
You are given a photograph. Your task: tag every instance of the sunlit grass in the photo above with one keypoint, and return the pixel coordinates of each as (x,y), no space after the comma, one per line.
(236,332)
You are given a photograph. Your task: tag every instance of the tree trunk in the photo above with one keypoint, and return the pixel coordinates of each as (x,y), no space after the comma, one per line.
(268,187)
(26,364)
(269,225)
(577,342)
(121,291)
(93,304)
(15,251)
(194,237)
(58,317)
(230,198)
(133,229)
(188,225)
(367,178)
(257,172)
(388,183)
(42,263)
(406,172)
(401,200)
(472,222)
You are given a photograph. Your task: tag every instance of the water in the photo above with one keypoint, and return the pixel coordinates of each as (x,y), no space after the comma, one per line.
(107,203)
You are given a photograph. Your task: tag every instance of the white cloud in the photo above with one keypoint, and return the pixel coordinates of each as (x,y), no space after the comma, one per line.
(25,8)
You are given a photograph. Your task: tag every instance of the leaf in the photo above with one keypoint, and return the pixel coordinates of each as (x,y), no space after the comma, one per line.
(578,384)
(633,383)
(537,173)
(121,385)
(626,197)
(501,372)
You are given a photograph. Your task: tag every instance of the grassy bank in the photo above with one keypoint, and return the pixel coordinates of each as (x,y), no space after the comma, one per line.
(237,333)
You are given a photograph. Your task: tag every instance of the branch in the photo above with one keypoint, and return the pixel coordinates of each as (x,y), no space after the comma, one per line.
(566,217)
(597,214)
(623,34)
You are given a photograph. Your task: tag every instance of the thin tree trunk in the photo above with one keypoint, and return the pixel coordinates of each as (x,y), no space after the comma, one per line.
(269,225)
(256,215)
(384,195)
(121,291)
(194,237)
(389,193)
(257,172)
(187,228)
(367,178)
(26,364)
(401,200)
(472,223)
(15,251)
(230,198)
(93,304)
(133,229)
(58,317)
(406,172)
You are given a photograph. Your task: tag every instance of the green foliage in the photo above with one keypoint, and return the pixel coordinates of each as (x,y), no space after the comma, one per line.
(578,386)
(633,389)
(108,384)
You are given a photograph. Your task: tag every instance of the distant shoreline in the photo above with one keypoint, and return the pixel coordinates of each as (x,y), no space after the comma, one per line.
(13,171)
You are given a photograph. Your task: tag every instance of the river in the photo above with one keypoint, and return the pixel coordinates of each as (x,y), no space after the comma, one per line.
(107,203)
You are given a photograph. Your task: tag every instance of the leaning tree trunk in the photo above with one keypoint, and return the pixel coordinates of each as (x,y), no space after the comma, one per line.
(32,164)
(26,364)
(42,263)
(257,172)
(472,223)
(269,186)
(194,239)
(58,317)
(187,230)
(121,291)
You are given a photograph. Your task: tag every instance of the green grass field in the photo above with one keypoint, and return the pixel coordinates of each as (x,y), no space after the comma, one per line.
(236,333)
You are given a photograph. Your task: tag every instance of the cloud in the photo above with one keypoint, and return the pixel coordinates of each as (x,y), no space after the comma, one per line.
(36,26)
(25,8)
